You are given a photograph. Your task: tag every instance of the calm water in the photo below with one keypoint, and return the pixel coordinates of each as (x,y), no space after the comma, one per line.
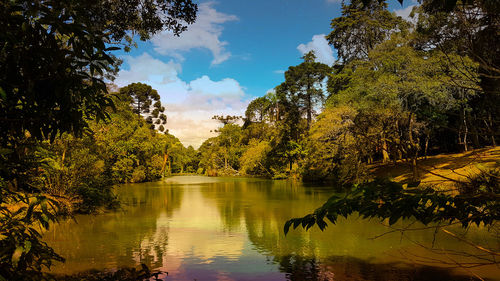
(232,229)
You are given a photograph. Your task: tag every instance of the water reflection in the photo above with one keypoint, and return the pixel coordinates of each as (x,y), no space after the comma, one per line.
(231,229)
(348,268)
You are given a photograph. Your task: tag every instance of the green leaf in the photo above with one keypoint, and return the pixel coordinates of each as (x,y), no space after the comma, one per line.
(321,224)
(27,246)
(3,94)
(287,226)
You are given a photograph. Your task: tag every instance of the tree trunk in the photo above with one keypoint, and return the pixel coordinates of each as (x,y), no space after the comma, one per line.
(413,149)
(492,132)
(385,153)
(309,110)
(427,137)
(466,131)
(164,165)
(414,168)
(475,134)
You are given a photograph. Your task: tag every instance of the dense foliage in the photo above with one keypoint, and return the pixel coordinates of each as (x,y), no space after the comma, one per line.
(124,149)
(399,91)
(384,199)
(69,42)
(55,57)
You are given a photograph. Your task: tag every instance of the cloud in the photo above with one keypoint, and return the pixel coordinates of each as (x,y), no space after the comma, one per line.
(189,105)
(279,71)
(191,120)
(204,33)
(405,13)
(333,1)
(322,50)
(147,68)
(160,75)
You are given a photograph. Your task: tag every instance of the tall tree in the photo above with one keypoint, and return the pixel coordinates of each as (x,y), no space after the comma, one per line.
(54,60)
(228,119)
(362,26)
(407,88)
(306,82)
(469,28)
(146,101)
(56,54)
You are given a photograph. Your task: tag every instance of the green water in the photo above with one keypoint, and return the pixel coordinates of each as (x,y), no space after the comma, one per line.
(204,228)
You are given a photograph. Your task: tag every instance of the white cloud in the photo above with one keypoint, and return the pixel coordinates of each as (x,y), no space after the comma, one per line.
(146,68)
(191,120)
(405,13)
(322,50)
(160,75)
(333,1)
(279,71)
(204,33)
(189,105)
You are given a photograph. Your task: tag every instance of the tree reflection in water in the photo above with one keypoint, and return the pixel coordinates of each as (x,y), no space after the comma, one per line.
(349,269)
(232,229)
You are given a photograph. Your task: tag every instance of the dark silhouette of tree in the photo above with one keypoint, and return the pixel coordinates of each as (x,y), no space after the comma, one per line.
(55,56)
(146,101)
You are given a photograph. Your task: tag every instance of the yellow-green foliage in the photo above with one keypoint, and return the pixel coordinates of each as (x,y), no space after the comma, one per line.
(253,160)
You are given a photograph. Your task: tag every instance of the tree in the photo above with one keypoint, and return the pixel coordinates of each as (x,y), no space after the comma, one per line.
(54,60)
(274,106)
(286,145)
(333,152)
(306,82)
(464,28)
(257,110)
(220,155)
(399,91)
(362,26)
(228,119)
(146,100)
(56,54)
(253,160)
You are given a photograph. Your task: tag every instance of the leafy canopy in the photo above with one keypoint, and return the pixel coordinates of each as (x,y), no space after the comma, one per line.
(56,54)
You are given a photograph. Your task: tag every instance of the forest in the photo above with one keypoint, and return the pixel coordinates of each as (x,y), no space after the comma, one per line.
(399,92)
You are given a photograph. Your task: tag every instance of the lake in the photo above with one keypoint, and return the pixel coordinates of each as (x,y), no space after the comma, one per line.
(203,228)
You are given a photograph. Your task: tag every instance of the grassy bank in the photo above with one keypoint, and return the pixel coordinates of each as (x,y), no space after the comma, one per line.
(443,170)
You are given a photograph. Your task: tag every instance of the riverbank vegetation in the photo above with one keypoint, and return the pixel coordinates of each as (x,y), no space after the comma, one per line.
(56,152)
(400,92)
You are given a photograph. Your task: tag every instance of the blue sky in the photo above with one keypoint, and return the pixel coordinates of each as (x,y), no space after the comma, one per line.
(237,50)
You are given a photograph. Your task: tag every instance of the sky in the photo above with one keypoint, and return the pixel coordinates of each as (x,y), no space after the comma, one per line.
(235,51)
